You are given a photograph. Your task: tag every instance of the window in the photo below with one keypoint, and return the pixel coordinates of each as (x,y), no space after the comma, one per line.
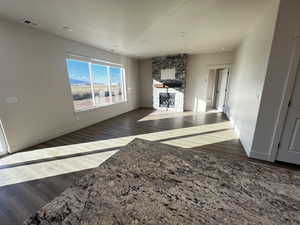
(95,84)
(116,84)
(80,81)
(101,84)
(3,141)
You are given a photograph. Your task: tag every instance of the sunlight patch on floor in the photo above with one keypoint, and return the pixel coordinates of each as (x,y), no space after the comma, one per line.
(202,140)
(47,153)
(41,170)
(158,115)
(190,137)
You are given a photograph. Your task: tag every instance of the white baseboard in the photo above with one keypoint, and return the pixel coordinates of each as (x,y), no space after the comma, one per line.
(237,132)
(250,153)
(58,133)
(261,156)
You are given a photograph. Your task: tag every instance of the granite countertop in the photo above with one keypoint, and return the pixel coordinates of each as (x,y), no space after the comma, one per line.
(153,183)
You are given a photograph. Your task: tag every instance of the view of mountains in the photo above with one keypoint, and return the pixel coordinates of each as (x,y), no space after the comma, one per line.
(78,82)
(81,82)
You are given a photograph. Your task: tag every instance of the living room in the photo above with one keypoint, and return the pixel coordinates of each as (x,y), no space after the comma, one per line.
(149,112)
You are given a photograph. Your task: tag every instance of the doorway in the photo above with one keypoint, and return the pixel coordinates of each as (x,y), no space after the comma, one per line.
(217,89)
(221,89)
(3,142)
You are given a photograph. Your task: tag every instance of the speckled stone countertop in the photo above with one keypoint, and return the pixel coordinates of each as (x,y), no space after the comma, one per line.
(153,183)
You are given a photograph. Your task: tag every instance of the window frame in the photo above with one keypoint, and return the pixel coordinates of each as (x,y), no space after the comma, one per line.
(106,64)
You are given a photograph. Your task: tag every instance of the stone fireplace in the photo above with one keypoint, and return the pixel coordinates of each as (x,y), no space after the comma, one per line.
(169,82)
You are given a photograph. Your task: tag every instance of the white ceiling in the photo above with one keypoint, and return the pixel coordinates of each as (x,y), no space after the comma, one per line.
(144,28)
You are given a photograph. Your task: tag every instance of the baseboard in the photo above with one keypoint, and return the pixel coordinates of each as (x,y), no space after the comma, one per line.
(261,156)
(245,147)
(146,107)
(58,133)
(237,133)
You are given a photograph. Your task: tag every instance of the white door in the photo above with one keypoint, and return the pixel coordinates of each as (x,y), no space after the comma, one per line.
(221,89)
(3,143)
(289,148)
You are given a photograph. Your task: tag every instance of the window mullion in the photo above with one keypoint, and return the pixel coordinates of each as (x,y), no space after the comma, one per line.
(109,83)
(92,83)
(122,84)
(124,91)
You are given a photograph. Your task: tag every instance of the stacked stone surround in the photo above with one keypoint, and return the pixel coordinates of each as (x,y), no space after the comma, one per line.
(179,62)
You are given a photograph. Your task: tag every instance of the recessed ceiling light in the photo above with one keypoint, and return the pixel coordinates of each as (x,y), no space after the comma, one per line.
(223,49)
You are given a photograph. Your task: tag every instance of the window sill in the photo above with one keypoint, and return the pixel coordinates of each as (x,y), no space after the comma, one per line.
(97,107)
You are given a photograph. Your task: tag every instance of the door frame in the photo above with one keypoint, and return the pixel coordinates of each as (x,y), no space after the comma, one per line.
(225,93)
(218,67)
(5,142)
(211,82)
(286,97)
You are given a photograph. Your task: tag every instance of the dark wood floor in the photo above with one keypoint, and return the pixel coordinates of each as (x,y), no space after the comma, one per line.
(18,201)
(135,123)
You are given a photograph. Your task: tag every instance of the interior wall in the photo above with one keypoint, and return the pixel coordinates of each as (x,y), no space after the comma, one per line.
(248,75)
(146,83)
(35,97)
(274,103)
(197,78)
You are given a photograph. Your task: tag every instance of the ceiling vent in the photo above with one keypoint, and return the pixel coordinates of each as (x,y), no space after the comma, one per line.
(28,22)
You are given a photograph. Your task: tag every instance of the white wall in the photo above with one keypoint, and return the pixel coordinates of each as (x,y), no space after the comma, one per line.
(248,75)
(273,102)
(197,78)
(146,83)
(33,70)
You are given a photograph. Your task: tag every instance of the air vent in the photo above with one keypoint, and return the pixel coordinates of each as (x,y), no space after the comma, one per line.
(29,22)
